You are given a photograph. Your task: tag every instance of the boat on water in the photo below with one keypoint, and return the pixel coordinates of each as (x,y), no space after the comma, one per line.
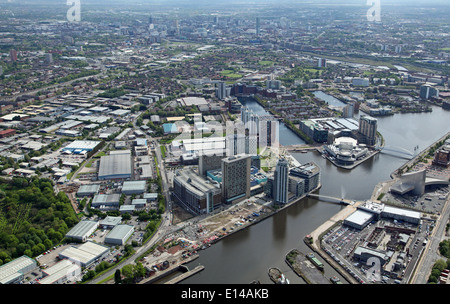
(277,276)
(335,280)
(283,280)
(315,261)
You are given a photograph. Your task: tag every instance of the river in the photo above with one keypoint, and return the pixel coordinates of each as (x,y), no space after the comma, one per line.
(248,254)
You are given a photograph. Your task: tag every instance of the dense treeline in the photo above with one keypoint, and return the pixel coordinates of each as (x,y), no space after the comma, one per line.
(33,218)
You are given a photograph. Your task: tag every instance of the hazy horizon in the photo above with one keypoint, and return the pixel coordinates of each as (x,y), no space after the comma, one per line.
(259,2)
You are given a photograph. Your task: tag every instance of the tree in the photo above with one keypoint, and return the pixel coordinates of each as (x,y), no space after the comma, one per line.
(118,277)
(127,272)
(139,270)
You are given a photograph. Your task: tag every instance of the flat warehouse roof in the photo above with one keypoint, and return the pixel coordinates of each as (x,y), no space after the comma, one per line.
(78,255)
(403,212)
(85,253)
(117,164)
(82,144)
(14,268)
(120,232)
(133,185)
(359,217)
(93,248)
(59,271)
(82,228)
(89,188)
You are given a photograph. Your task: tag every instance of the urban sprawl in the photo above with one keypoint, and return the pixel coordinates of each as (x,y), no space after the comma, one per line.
(136,119)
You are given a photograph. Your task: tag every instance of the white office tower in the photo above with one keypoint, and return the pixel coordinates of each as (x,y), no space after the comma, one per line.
(281,182)
(235,138)
(269,133)
(235,144)
(250,120)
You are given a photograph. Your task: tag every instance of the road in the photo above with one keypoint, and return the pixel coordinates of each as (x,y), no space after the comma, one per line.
(431,251)
(166,223)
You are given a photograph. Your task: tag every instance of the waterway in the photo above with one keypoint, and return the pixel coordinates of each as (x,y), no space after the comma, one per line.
(248,254)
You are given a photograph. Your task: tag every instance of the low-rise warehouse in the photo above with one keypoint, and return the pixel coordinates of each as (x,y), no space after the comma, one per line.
(88,190)
(117,166)
(15,270)
(110,222)
(78,146)
(82,230)
(106,201)
(374,211)
(85,254)
(119,235)
(359,219)
(60,272)
(133,187)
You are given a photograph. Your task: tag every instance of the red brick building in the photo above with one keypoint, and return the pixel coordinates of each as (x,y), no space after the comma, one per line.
(7,133)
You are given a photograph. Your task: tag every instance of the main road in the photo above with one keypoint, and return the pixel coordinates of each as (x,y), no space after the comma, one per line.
(431,252)
(166,219)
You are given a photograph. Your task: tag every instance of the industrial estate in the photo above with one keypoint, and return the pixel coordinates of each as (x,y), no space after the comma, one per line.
(129,146)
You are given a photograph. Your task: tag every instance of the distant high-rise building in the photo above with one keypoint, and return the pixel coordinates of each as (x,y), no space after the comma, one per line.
(222,91)
(177,27)
(349,110)
(368,128)
(48,58)
(269,133)
(398,49)
(250,120)
(236,177)
(281,182)
(428,91)
(251,143)
(258,26)
(273,84)
(150,20)
(321,63)
(235,143)
(13,55)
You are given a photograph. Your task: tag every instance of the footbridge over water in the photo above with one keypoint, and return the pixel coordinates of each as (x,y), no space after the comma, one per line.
(331,199)
(398,152)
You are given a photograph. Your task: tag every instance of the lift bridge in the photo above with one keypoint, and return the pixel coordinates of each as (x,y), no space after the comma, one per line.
(399,152)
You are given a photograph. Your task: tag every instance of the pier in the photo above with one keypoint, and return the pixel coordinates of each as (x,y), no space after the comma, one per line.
(305,268)
(186,274)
